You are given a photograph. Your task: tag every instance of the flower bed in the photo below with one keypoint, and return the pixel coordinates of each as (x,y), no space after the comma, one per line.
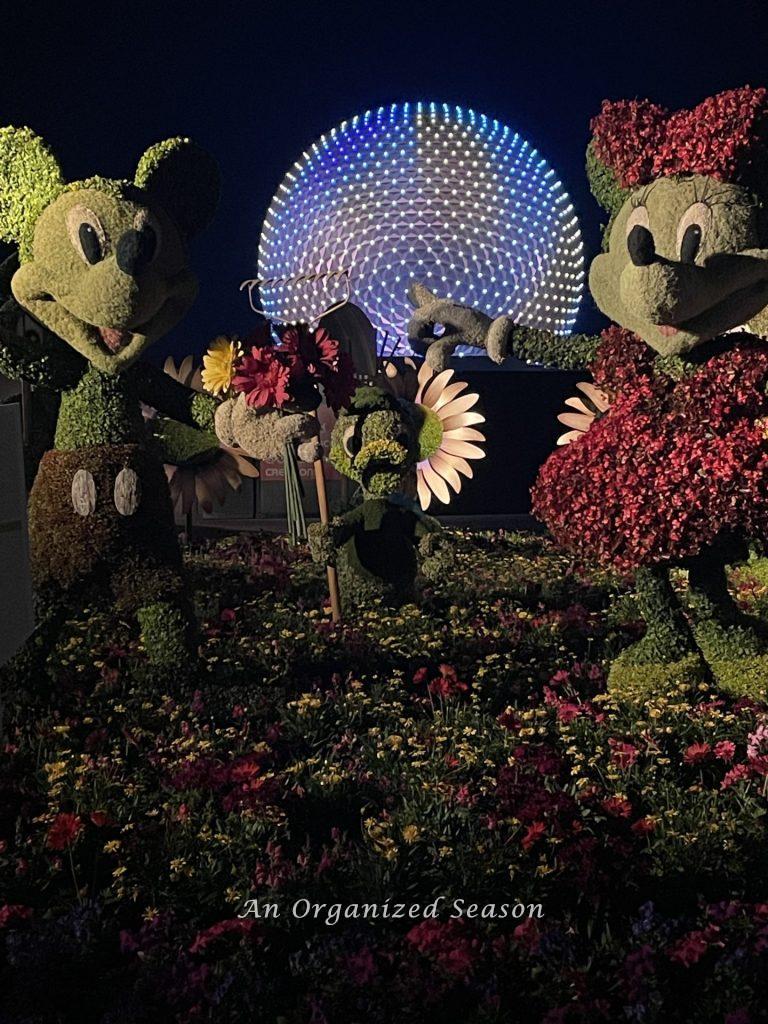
(463,751)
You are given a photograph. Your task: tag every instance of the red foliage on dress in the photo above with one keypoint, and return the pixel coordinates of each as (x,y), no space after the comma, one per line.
(671,465)
(725,137)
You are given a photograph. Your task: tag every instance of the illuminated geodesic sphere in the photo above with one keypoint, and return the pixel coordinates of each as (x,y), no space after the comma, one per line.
(424,192)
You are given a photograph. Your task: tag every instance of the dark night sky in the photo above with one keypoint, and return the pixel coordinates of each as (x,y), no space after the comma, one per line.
(256,83)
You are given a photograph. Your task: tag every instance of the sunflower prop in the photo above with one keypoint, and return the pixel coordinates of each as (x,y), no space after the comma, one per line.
(448,439)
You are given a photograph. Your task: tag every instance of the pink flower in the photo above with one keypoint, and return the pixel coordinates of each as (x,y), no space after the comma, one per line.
(232,926)
(13,912)
(532,835)
(527,934)
(63,832)
(740,1016)
(643,826)
(692,947)
(447,684)
(361,966)
(757,749)
(617,807)
(316,350)
(696,753)
(623,755)
(263,378)
(736,774)
(725,750)
(448,943)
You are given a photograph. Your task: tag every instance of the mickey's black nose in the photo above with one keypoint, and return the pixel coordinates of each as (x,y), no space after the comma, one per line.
(642,249)
(135,250)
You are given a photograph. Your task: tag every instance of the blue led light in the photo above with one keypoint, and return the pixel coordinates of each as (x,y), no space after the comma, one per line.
(428,192)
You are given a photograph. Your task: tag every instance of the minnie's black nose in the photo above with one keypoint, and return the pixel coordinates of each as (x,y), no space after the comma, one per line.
(135,250)
(642,249)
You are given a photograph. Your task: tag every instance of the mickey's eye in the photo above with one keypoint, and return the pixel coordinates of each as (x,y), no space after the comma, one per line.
(86,234)
(149,231)
(692,230)
(351,440)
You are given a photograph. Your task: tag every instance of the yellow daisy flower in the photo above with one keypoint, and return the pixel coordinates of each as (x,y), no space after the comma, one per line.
(219,364)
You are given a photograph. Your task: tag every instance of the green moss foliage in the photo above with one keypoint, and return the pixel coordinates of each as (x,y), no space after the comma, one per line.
(566,352)
(604,184)
(31,179)
(99,411)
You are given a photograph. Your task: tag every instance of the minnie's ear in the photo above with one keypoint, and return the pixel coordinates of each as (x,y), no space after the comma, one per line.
(183,179)
(30,179)
(604,183)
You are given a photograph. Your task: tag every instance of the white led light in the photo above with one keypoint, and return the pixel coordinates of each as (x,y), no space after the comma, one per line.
(390,196)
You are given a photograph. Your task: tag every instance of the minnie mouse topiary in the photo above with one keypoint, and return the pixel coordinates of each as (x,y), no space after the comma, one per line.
(675,472)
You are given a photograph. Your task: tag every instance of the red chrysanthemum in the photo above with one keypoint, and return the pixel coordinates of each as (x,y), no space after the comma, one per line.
(671,465)
(339,385)
(263,378)
(317,350)
(725,137)
(321,357)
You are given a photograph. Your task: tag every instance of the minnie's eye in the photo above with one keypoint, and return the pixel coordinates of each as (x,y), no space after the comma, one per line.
(692,230)
(86,234)
(640,242)
(351,441)
(689,246)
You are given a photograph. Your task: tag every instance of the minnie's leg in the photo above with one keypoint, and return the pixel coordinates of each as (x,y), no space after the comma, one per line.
(667,655)
(733,644)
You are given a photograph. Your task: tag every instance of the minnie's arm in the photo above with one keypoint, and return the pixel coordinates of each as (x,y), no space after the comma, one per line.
(463,325)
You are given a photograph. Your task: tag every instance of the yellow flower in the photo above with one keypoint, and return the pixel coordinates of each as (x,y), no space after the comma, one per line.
(219,365)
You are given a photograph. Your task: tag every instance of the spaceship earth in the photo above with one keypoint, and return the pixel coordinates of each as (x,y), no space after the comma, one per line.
(427,192)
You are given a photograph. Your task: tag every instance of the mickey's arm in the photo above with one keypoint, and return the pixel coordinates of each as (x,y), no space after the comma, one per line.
(155,387)
(463,325)
(38,357)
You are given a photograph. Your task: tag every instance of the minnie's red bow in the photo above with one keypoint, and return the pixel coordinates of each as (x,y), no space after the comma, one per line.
(725,136)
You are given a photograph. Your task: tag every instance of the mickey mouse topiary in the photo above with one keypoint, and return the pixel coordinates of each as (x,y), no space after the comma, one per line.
(675,473)
(103,266)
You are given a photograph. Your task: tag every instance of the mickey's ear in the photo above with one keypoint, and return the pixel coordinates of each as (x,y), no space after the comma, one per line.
(183,179)
(30,179)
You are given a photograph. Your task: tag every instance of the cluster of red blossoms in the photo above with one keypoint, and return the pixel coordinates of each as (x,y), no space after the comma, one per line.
(725,137)
(672,464)
(272,376)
